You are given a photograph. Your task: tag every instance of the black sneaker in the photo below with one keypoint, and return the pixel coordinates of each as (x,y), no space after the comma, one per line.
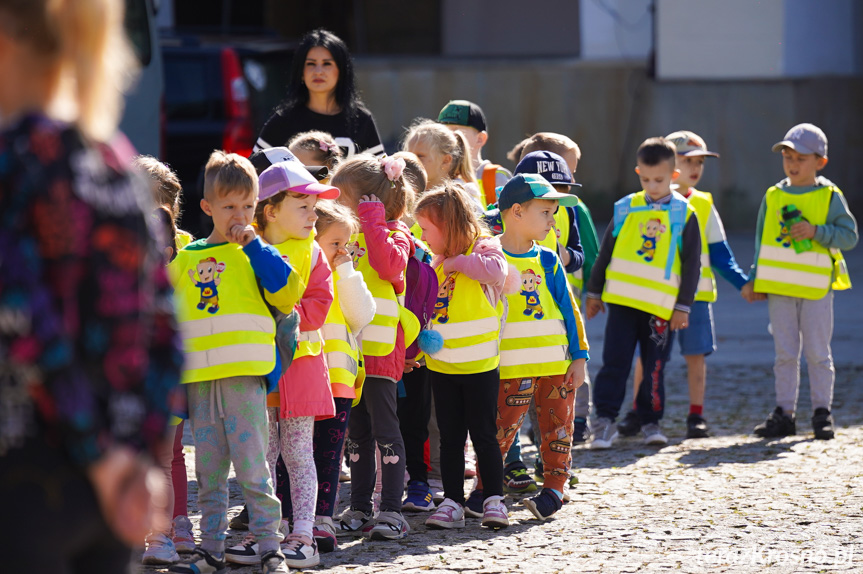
(473,504)
(544,504)
(822,424)
(516,479)
(200,562)
(538,471)
(777,425)
(240,521)
(580,433)
(630,425)
(696,427)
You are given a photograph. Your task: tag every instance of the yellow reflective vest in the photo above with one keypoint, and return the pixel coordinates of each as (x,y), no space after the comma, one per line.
(226,326)
(560,234)
(637,275)
(340,346)
(469,325)
(702,202)
(378,338)
(780,269)
(534,341)
(303,255)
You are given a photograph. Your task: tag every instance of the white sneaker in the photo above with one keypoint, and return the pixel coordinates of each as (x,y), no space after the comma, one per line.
(352,522)
(247,551)
(653,434)
(183,540)
(160,550)
(300,551)
(449,514)
(494,514)
(604,434)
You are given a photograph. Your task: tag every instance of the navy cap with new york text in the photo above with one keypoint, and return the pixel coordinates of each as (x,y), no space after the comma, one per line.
(549,165)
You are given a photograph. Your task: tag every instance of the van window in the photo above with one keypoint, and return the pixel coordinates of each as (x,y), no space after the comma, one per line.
(138,30)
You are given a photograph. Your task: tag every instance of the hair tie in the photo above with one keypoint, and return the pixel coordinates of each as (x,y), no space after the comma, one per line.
(325,146)
(393,168)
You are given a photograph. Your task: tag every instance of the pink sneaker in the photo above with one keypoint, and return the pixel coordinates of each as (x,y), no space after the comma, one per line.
(494,514)
(449,514)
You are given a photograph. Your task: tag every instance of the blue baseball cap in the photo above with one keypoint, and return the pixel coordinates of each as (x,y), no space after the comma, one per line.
(526,186)
(549,165)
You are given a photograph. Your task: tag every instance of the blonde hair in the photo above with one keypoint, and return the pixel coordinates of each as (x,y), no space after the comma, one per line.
(450,208)
(311,141)
(363,175)
(228,173)
(414,172)
(164,183)
(85,41)
(330,212)
(445,142)
(549,141)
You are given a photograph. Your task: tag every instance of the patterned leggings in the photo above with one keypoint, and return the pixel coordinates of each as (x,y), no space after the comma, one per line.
(293,438)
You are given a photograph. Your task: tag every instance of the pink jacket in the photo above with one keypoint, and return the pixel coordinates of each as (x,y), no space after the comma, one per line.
(304,389)
(388,256)
(486,264)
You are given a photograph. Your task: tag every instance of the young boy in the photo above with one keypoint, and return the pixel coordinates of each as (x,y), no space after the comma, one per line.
(698,340)
(543,346)
(647,272)
(230,359)
(802,224)
(467,117)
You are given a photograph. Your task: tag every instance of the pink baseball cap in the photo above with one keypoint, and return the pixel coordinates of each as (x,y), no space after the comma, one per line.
(292,176)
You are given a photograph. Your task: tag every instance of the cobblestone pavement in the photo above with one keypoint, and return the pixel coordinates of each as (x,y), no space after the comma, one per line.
(729,503)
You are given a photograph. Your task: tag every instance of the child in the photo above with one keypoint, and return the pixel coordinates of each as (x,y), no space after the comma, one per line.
(698,340)
(647,271)
(316,148)
(377,191)
(803,222)
(353,308)
(471,270)
(444,154)
(467,117)
(221,284)
(162,547)
(285,215)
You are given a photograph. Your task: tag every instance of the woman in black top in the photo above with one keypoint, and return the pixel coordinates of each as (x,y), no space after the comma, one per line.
(322,95)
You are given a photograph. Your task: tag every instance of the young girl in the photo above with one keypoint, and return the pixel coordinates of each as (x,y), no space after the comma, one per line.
(445,155)
(376,189)
(316,148)
(286,217)
(472,270)
(353,308)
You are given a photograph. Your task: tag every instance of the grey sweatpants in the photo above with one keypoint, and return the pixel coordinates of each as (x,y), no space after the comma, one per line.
(229,423)
(807,324)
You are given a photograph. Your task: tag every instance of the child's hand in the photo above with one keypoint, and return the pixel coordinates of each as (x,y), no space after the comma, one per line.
(242,235)
(802,230)
(411,364)
(748,293)
(447,265)
(575,373)
(371,197)
(340,258)
(679,320)
(593,306)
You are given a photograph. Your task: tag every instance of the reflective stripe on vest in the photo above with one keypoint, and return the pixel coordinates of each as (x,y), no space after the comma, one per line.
(636,275)
(702,202)
(226,327)
(534,342)
(469,325)
(300,254)
(378,338)
(340,346)
(780,269)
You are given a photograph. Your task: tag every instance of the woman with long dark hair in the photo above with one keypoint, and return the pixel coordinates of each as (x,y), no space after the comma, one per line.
(322,95)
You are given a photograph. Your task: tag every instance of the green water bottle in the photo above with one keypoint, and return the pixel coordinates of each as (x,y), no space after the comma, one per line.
(792,215)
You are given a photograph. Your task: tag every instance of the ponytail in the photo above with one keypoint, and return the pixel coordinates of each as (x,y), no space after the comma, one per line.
(462,163)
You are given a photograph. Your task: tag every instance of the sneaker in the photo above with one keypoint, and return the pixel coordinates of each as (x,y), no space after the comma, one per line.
(516,479)
(160,550)
(573,480)
(630,425)
(273,562)
(538,471)
(183,540)
(388,526)
(653,434)
(449,514)
(822,424)
(696,427)
(419,498)
(473,504)
(580,432)
(494,514)
(604,434)
(240,521)
(324,532)
(247,552)
(778,424)
(436,487)
(300,551)
(544,504)
(200,562)
(353,521)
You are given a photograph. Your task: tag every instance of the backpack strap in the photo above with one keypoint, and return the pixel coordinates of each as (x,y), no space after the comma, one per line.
(489,182)
(622,207)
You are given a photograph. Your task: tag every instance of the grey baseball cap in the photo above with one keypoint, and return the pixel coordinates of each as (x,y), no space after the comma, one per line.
(804,138)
